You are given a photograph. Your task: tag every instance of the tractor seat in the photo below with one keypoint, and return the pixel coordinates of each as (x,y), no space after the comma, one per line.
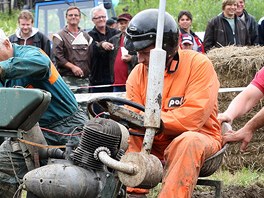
(22,108)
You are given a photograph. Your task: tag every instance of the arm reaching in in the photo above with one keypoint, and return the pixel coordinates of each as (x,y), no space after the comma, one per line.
(245,134)
(241,104)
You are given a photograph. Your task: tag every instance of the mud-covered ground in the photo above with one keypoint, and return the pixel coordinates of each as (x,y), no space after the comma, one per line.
(253,191)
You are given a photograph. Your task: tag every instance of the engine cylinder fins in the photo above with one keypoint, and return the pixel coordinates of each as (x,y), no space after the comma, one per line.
(120,153)
(86,160)
(105,126)
(91,140)
(98,132)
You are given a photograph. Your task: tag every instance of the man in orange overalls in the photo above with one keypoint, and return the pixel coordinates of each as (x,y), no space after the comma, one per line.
(190,131)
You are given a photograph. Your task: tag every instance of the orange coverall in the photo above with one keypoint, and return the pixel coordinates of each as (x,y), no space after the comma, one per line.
(191,131)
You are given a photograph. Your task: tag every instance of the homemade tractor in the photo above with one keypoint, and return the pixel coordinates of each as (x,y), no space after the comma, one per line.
(98,165)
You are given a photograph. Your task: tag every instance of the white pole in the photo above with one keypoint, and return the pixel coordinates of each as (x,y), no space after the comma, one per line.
(155,84)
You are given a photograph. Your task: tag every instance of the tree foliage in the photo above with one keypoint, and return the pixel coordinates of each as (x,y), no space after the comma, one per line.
(202,10)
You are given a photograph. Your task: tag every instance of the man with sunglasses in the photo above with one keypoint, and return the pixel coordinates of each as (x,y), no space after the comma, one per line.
(100,67)
(72,50)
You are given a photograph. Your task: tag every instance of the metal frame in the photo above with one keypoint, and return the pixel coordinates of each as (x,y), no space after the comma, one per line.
(213,183)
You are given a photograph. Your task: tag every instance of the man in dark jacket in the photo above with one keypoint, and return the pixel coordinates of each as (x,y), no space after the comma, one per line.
(226,28)
(100,67)
(26,34)
(250,21)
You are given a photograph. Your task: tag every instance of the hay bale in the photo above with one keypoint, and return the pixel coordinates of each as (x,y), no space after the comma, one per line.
(236,67)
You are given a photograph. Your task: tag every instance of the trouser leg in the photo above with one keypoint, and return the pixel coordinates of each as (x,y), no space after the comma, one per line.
(70,125)
(12,169)
(184,158)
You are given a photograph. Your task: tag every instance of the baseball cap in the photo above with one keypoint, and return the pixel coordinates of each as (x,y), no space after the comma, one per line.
(187,38)
(124,16)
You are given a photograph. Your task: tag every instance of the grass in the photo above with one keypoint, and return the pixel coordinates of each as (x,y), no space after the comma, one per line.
(245,178)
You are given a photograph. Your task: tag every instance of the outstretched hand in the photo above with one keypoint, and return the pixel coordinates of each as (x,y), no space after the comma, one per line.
(242,135)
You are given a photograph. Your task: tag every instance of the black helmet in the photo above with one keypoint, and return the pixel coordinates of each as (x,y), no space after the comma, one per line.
(142,29)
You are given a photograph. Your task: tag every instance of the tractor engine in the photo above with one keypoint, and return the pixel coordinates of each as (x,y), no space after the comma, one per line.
(82,174)
(99,132)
